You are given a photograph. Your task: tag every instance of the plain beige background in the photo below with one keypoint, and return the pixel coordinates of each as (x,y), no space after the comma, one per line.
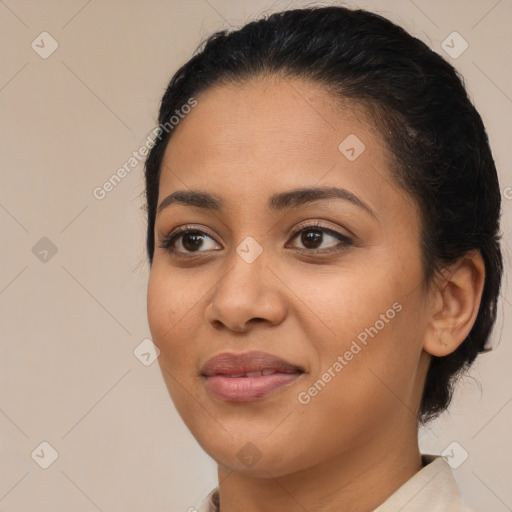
(73,305)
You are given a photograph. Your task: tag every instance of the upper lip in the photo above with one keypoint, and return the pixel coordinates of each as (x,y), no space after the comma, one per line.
(229,363)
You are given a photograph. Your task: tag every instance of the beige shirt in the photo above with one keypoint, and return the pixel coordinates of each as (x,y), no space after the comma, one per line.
(432,489)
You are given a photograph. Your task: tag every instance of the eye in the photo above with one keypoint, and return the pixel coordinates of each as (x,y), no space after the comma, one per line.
(190,239)
(313,236)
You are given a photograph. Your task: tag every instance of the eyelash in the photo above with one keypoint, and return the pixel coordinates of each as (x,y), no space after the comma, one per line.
(168,241)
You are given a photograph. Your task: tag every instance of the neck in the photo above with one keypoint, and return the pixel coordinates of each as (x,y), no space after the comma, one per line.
(352,481)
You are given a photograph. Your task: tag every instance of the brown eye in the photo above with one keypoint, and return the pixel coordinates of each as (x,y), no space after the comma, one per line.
(192,240)
(312,237)
(185,241)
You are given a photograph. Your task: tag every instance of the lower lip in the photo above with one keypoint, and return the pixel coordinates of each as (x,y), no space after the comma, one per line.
(247,389)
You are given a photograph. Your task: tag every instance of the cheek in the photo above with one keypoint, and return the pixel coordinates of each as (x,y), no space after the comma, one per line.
(172,320)
(344,302)
(348,401)
(172,303)
(160,308)
(173,317)
(372,321)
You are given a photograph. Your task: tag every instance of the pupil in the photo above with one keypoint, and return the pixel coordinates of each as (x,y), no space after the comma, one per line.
(311,237)
(196,239)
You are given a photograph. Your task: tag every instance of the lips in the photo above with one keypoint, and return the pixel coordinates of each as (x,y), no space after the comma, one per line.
(246,362)
(247,376)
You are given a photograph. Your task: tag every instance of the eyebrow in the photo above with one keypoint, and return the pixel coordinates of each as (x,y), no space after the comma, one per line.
(277,202)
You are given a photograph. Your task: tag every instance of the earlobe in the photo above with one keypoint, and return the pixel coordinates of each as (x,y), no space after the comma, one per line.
(457,293)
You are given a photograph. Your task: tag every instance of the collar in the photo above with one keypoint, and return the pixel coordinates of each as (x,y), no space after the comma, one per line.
(433,488)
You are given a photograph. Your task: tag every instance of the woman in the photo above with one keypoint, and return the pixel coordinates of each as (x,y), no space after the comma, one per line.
(323,234)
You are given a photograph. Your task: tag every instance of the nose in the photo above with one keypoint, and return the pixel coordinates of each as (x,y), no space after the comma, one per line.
(248,294)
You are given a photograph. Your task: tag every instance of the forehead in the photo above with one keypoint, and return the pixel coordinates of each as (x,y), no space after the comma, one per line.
(277,133)
(274,114)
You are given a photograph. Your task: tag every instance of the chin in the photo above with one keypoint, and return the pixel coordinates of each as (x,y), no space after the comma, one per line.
(254,456)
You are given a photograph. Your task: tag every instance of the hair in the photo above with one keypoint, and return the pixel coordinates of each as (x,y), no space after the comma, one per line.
(435,136)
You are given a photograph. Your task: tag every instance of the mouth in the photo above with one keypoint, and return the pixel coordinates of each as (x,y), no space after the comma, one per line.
(247,376)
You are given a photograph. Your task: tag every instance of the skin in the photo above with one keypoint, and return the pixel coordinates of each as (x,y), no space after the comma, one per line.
(243,143)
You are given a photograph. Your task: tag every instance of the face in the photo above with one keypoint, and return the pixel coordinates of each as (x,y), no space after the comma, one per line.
(311,305)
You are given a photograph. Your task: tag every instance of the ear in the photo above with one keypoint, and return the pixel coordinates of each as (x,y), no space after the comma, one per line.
(456,296)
